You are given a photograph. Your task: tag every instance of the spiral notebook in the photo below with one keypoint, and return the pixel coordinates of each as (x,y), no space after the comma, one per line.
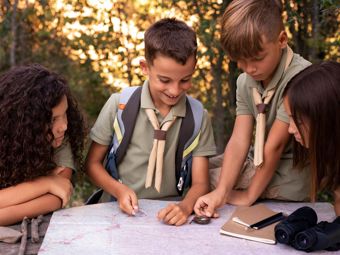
(249,216)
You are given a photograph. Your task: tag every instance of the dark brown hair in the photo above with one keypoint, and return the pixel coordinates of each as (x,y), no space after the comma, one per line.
(172,38)
(27,96)
(245,22)
(314,99)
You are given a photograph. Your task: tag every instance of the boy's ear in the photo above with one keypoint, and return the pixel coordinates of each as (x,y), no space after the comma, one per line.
(144,66)
(283,39)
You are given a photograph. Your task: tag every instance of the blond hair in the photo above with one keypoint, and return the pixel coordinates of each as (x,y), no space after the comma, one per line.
(245,23)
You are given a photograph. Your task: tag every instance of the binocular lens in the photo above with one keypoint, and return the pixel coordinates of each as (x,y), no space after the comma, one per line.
(301,219)
(305,240)
(300,231)
(283,235)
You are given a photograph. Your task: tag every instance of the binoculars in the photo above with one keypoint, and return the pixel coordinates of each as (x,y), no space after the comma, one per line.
(301,231)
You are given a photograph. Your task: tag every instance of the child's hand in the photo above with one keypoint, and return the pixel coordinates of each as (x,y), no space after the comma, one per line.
(60,187)
(206,205)
(173,214)
(127,199)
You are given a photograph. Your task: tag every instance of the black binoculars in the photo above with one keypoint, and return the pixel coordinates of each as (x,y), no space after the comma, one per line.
(301,231)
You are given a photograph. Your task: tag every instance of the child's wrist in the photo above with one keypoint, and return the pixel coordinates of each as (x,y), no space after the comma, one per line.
(221,191)
(116,189)
(187,210)
(61,203)
(44,183)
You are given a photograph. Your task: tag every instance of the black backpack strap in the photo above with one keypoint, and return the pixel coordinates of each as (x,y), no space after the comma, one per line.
(185,132)
(129,117)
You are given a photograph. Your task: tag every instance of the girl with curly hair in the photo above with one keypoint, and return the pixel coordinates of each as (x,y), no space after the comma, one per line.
(312,101)
(41,141)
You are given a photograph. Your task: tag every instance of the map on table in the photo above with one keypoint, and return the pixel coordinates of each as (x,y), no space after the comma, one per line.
(105,229)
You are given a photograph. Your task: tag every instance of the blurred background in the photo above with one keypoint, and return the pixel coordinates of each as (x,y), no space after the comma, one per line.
(97,45)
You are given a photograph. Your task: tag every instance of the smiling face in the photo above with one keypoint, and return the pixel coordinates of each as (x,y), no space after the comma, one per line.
(59,122)
(299,128)
(262,67)
(168,80)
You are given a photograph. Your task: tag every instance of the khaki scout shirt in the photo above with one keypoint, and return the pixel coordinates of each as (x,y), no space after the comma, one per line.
(132,170)
(290,184)
(63,156)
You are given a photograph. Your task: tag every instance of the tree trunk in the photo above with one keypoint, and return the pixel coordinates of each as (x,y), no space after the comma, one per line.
(315,31)
(12,59)
(231,104)
(219,111)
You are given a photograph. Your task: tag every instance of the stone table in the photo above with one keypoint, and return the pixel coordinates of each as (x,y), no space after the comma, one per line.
(104,229)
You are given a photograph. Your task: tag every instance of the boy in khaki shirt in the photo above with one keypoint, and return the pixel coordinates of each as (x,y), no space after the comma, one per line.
(170,52)
(253,35)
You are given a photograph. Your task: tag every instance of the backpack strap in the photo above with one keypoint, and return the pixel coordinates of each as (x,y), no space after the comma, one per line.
(197,111)
(188,140)
(127,114)
(118,124)
(123,126)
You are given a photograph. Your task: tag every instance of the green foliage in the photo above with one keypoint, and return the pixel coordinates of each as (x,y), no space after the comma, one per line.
(82,191)
(325,196)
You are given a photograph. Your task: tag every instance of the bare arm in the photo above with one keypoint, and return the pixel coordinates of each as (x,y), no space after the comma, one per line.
(126,197)
(27,191)
(41,204)
(234,157)
(177,214)
(274,146)
(200,183)
(235,153)
(337,201)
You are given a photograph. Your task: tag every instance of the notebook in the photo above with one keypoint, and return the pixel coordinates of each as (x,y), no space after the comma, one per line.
(249,216)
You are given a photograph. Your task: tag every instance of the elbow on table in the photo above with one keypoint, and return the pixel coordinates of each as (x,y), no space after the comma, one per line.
(251,199)
(241,198)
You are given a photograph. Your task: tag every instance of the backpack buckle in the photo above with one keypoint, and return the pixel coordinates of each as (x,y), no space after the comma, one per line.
(180,184)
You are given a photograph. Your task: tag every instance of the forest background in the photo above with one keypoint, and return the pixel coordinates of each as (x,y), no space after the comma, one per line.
(97,45)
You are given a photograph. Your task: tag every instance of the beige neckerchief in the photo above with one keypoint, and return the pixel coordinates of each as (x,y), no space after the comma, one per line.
(156,155)
(261,106)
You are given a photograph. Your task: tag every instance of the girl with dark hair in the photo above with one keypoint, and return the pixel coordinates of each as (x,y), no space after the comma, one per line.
(41,141)
(312,101)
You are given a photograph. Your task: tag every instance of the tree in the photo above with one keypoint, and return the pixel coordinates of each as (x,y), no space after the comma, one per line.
(33,32)
(314,26)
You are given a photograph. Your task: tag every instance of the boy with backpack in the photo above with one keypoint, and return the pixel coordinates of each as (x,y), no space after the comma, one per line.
(156,138)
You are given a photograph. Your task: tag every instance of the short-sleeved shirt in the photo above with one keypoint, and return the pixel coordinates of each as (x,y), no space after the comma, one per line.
(63,155)
(132,170)
(290,183)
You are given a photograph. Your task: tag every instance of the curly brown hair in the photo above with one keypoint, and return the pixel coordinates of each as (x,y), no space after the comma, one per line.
(27,96)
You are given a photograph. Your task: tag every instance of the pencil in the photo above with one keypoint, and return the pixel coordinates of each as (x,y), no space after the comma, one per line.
(268,221)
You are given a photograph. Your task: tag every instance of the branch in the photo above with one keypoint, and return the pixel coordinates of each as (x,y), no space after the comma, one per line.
(24,236)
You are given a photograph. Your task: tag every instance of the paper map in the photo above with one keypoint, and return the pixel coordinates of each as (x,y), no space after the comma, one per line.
(104,229)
